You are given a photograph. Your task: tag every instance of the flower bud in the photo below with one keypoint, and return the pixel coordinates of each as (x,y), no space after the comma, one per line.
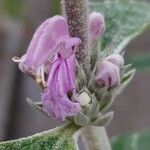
(116,59)
(96,26)
(84,99)
(107,75)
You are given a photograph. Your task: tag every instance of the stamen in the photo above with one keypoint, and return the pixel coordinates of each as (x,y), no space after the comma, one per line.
(38,80)
(38,75)
(43,76)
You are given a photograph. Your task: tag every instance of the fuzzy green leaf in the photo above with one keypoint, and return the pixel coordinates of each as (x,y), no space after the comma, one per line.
(124,21)
(137,141)
(81,119)
(126,80)
(60,138)
(104,120)
(110,96)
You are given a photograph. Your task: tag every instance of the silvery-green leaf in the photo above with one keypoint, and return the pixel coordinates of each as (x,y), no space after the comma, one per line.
(104,120)
(125,81)
(94,107)
(124,21)
(101,93)
(125,69)
(91,83)
(128,75)
(81,119)
(107,100)
(81,76)
(85,89)
(95,54)
(61,138)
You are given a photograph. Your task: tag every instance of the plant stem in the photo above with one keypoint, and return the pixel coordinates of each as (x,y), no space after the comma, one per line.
(76,12)
(95,138)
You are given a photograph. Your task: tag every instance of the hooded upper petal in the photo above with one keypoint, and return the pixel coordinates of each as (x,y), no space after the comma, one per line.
(44,40)
(51,37)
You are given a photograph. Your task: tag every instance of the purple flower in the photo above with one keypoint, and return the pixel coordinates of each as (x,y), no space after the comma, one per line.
(50,59)
(51,37)
(107,75)
(61,85)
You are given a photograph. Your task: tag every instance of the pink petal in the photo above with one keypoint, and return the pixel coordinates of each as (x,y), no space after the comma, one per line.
(59,107)
(116,59)
(107,75)
(61,81)
(66,76)
(96,26)
(43,44)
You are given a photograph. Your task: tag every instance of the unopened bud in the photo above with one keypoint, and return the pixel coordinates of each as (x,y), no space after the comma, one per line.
(107,75)
(96,26)
(116,59)
(84,99)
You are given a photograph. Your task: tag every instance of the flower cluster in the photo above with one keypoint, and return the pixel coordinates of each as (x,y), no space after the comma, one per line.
(51,61)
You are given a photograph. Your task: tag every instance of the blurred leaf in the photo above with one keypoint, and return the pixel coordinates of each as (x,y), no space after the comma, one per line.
(137,141)
(13,7)
(141,62)
(60,138)
(124,21)
(55,7)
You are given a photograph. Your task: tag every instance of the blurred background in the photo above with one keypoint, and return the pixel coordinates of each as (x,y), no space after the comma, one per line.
(18,21)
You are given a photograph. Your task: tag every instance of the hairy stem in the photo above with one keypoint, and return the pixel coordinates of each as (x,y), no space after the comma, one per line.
(76,12)
(95,138)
